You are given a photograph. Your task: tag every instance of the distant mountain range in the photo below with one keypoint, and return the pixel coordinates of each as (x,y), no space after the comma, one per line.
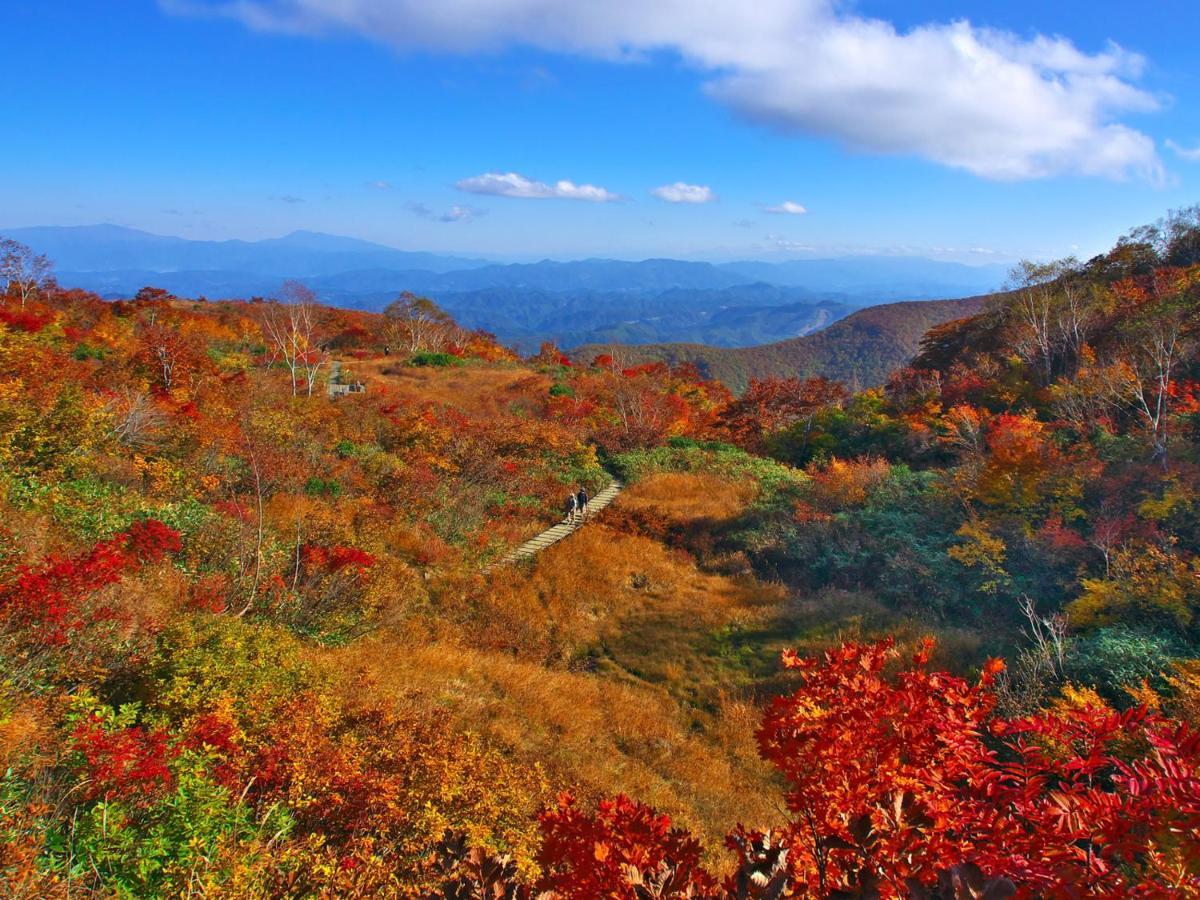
(728,317)
(301,254)
(591,300)
(862,349)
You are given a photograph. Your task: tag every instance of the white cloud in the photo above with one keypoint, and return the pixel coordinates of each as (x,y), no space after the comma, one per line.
(510,184)
(1191,154)
(994,103)
(786,208)
(680,192)
(379,185)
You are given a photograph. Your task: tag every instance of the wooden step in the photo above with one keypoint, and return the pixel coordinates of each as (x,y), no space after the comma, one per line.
(562,530)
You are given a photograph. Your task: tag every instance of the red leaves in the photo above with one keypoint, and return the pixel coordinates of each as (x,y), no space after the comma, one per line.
(209,593)
(216,734)
(50,595)
(125,764)
(657,369)
(1059,537)
(150,540)
(774,404)
(875,764)
(609,853)
(235,510)
(894,788)
(336,558)
(25,320)
(892,780)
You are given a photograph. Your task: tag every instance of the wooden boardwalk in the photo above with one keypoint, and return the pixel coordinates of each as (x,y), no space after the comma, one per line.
(553,535)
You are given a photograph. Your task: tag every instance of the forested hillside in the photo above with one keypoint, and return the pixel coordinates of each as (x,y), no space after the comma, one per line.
(862,349)
(939,637)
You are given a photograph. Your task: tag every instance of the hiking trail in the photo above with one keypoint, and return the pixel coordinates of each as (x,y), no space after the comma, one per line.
(553,535)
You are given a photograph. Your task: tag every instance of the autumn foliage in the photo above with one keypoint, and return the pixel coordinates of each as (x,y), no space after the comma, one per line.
(255,640)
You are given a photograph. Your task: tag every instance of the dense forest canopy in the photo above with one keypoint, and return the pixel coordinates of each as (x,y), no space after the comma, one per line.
(254,641)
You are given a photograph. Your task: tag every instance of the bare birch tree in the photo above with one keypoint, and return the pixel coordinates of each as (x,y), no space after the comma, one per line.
(1034,341)
(25,273)
(1053,313)
(290,325)
(418,323)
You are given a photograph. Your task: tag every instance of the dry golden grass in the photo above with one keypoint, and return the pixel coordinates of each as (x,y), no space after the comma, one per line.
(690,496)
(592,734)
(622,599)
(596,660)
(477,390)
(26,536)
(26,732)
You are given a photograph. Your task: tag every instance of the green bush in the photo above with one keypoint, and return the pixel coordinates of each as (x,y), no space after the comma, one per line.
(322,487)
(893,543)
(440,360)
(167,849)
(1110,658)
(686,455)
(92,508)
(83,352)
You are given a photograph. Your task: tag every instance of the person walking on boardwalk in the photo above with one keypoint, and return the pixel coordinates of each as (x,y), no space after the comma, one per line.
(572,508)
(581,500)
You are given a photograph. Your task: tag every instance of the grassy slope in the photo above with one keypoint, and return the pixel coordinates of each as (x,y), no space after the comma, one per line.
(861,349)
(671,648)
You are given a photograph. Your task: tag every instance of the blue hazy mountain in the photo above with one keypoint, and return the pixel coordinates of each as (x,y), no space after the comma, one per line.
(887,277)
(301,254)
(725,317)
(574,302)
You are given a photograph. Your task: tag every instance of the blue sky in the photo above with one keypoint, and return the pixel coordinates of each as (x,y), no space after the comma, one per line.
(531,128)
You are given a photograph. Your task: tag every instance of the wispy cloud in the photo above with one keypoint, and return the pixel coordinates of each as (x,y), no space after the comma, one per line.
(778,242)
(537,78)
(290,198)
(681,192)
(996,103)
(461,214)
(453,214)
(379,185)
(786,208)
(1191,154)
(510,184)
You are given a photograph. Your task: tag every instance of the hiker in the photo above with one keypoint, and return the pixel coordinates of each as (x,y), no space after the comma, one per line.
(581,499)
(572,508)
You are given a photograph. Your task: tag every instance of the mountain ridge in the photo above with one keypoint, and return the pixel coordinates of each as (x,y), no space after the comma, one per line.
(571,302)
(862,349)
